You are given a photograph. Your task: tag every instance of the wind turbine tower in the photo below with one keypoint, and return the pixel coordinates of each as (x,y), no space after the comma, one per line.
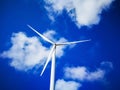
(52,56)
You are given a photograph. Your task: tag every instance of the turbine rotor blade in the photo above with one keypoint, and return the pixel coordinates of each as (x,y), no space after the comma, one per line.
(75,42)
(40,35)
(48,59)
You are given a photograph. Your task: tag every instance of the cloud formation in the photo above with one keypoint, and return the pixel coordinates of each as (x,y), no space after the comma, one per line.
(27,53)
(80,74)
(67,85)
(82,12)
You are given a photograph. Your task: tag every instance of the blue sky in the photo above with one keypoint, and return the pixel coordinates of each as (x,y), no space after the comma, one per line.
(91,65)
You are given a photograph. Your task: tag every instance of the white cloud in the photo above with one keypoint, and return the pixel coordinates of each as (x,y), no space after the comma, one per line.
(107,66)
(67,85)
(81,74)
(28,52)
(96,75)
(82,12)
(75,72)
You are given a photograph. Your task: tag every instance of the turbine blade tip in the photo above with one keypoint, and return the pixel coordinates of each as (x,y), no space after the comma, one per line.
(29,26)
(41,74)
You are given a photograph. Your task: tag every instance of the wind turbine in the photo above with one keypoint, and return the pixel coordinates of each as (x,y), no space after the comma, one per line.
(52,55)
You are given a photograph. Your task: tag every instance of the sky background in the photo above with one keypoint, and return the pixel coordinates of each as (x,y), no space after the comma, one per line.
(93,65)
